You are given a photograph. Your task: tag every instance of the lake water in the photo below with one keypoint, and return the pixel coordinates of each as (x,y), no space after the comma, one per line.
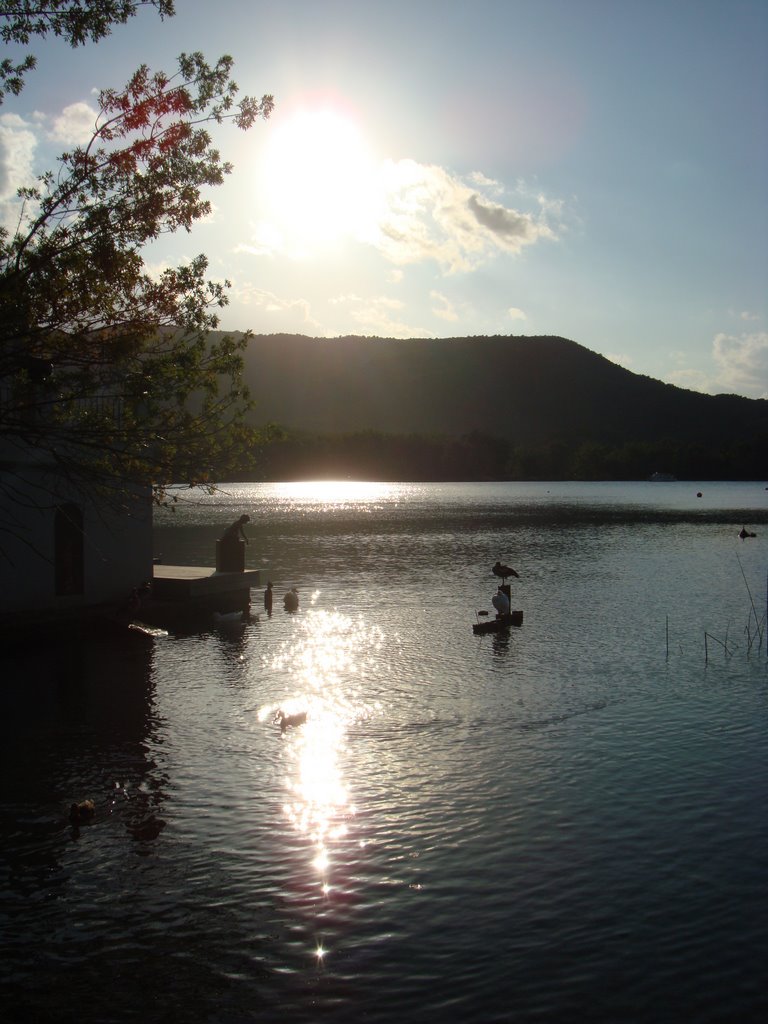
(566,822)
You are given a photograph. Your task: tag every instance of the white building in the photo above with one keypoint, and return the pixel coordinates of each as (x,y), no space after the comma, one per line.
(65,547)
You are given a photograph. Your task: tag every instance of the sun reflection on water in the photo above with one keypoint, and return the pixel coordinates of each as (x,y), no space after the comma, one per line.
(328,661)
(333,491)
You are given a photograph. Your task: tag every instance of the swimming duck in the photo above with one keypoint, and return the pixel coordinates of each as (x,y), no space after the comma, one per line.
(83,811)
(287,721)
(148,829)
(744,533)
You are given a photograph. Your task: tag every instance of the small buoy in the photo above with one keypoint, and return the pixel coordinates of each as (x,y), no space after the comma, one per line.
(698,494)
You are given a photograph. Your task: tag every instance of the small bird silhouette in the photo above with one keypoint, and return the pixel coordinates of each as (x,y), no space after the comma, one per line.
(503,571)
(744,533)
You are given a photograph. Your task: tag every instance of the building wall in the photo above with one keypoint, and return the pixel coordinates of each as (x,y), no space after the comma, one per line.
(61,548)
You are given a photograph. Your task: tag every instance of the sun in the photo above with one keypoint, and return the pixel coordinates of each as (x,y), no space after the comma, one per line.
(319,180)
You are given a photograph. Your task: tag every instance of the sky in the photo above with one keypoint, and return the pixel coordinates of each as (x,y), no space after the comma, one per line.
(594,169)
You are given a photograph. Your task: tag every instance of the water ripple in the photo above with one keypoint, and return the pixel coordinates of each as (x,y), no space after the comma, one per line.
(560,824)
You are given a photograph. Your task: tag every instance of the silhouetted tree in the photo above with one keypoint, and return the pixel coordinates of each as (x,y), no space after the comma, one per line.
(75,21)
(107,371)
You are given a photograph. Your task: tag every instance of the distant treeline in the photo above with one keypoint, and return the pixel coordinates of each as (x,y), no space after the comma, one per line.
(371,455)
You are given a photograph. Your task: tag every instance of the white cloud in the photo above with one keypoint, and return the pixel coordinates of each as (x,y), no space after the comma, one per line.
(739,366)
(480,180)
(516,314)
(266,240)
(74,125)
(17,150)
(620,358)
(156,268)
(742,363)
(507,225)
(344,300)
(272,304)
(19,141)
(17,147)
(428,214)
(410,212)
(375,316)
(443,307)
(691,380)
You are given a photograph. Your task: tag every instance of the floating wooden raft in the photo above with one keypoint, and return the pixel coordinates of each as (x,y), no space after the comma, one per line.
(495,625)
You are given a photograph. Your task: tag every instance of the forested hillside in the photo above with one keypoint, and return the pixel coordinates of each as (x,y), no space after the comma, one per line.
(485,408)
(530,390)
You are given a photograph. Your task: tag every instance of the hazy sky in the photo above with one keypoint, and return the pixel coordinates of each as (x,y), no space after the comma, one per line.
(596,169)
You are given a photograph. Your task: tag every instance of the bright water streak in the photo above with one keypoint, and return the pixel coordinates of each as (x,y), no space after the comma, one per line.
(562,823)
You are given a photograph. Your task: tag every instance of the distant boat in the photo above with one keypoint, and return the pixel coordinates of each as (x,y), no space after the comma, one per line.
(662,478)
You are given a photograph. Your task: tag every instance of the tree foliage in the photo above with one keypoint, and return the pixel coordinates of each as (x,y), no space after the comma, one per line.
(107,370)
(75,21)
(375,455)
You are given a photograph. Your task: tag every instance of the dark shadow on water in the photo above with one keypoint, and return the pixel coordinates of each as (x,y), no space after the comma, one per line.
(79,720)
(501,642)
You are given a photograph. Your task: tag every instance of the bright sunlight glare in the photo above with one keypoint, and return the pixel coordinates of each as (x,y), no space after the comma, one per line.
(320,180)
(325,659)
(336,492)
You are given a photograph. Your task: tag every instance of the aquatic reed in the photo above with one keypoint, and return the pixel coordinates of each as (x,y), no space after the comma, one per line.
(754,629)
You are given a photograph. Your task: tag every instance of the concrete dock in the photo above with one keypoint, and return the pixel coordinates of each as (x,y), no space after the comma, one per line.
(180,590)
(182,582)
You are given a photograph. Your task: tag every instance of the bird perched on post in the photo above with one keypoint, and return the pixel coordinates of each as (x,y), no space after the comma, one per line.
(503,571)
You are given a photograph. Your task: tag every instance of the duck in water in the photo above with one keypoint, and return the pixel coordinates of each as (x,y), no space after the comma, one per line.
(83,811)
(288,721)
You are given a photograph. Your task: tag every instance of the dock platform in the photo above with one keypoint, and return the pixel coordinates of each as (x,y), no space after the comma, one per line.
(179,590)
(183,582)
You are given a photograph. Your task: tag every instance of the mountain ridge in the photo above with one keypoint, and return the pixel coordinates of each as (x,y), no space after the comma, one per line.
(528,389)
